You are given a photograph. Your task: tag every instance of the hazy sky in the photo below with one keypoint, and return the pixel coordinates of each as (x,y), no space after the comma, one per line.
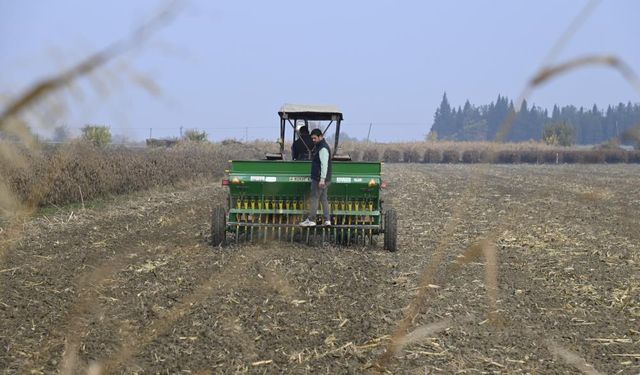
(227,66)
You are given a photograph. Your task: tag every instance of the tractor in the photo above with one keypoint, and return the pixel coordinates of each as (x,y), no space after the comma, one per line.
(267,199)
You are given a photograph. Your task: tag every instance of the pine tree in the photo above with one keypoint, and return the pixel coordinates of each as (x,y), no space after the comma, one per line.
(443,119)
(519,128)
(555,114)
(590,126)
(498,117)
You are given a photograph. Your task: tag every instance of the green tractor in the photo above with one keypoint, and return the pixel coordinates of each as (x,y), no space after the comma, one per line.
(268,198)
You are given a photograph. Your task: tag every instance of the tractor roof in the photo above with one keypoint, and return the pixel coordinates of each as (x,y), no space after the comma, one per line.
(310,112)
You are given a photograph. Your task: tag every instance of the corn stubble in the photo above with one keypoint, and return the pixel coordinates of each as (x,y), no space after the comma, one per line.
(79,171)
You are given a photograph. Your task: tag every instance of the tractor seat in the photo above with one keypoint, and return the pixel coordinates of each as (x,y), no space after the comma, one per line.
(273,156)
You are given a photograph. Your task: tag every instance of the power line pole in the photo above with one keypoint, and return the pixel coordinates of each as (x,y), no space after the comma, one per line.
(180,131)
(246,134)
(150,133)
(369,133)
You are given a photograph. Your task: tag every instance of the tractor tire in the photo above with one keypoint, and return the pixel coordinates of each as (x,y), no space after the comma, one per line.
(390,230)
(218,226)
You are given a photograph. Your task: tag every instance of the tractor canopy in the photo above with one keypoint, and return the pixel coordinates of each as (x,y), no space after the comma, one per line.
(320,116)
(310,112)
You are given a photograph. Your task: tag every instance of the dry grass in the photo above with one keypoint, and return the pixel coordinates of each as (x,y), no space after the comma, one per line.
(485,152)
(79,171)
(572,358)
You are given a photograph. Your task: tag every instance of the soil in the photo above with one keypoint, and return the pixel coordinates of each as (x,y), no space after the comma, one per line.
(133,286)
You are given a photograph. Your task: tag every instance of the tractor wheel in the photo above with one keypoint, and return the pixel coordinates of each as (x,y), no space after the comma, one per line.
(390,230)
(218,226)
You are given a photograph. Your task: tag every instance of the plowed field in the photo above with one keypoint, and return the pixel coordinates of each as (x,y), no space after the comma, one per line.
(134,287)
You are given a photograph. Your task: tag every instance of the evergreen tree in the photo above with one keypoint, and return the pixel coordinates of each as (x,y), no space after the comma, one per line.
(590,126)
(555,114)
(458,124)
(610,124)
(518,131)
(498,116)
(474,127)
(443,119)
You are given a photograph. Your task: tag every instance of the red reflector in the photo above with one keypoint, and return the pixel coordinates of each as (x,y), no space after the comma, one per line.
(383,185)
(225,182)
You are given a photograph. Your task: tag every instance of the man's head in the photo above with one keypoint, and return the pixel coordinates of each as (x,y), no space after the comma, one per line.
(304,130)
(316,136)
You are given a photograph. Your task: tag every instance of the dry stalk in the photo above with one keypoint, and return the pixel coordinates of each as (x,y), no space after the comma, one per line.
(134,344)
(69,362)
(81,198)
(82,310)
(613,62)
(422,332)
(572,358)
(427,278)
(491,275)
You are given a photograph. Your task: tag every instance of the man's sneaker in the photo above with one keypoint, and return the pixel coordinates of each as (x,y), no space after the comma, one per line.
(327,223)
(308,223)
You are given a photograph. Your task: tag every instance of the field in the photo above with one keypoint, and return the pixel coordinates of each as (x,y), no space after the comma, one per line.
(130,285)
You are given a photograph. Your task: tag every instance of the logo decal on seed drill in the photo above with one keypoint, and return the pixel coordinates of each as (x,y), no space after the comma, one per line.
(299,179)
(263,178)
(343,180)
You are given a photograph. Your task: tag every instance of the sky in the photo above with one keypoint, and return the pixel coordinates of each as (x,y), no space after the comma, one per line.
(226,67)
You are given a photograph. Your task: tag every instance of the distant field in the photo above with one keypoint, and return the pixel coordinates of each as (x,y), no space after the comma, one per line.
(487,152)
(74,172)
(135,287)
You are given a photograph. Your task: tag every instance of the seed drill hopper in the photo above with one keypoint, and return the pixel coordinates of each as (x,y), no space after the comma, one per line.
(267,199)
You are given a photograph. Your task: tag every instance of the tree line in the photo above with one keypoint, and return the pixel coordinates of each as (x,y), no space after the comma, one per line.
(577,125)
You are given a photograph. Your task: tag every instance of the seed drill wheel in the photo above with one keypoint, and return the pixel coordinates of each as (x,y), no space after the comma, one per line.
(218,226)
(390,230)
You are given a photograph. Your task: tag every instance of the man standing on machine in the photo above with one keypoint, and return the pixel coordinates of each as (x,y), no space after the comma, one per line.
(320,179)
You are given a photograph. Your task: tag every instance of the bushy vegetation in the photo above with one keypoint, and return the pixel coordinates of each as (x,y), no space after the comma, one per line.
(450,156)
(98,135)
(411,155)
(471,156)
(432,155)
(391,155)
(485,152)
(194,135)
(632,136)
(558,134)
(64,174)
(370,154)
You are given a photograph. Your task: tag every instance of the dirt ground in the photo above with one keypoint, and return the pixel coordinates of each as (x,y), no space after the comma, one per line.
(133,286)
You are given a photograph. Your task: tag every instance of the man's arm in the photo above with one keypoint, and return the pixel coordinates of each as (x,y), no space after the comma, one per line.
(324,163)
